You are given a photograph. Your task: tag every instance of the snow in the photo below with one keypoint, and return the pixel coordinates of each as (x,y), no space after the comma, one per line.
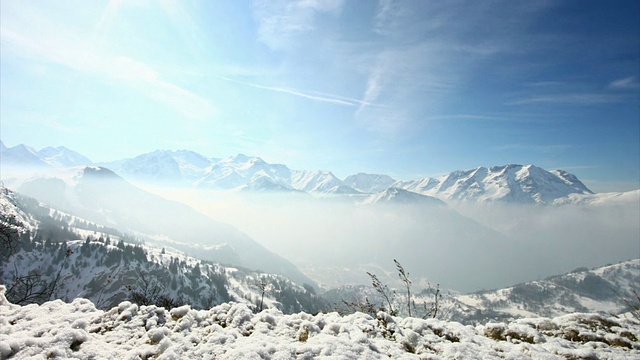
(602,199)
(232,331)
(368,183)
(510,183)
(62,157)
(400,196)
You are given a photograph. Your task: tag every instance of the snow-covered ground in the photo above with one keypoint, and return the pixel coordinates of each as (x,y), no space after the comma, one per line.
(231,331)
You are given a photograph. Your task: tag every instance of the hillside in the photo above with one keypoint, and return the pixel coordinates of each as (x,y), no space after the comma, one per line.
(54,255)
(99,195)
(604,289)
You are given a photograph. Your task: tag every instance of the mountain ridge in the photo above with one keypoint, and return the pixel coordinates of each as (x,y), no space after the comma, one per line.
(511,183)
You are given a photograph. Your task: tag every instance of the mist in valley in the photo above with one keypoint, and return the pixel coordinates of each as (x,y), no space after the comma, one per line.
(463,247)
(333,240)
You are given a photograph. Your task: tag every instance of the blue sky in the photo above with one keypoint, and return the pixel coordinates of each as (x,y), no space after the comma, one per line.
(406,88)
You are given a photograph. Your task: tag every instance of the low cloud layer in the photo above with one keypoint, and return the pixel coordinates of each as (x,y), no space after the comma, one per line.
(335,241)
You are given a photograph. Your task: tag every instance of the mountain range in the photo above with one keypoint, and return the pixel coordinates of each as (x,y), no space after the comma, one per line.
(107,267)
(520,184)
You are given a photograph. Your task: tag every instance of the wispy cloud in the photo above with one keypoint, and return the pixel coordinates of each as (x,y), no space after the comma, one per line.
(628,83)
(311,95)
(570,99)
(281,21)
(375,83)
(44,41)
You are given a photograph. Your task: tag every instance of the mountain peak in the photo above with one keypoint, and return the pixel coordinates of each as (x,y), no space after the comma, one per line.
(512,183)
(63,157)
(369,183)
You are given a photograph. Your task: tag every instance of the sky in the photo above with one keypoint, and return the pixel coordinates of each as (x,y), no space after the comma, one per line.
(405,88)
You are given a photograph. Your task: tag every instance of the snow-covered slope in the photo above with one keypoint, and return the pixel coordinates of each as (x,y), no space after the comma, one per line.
(368,183)
(400,196)
(101,196)
(163,166)
(319,182)
(62,157)
(243,170)
(22,156)
(604,290)
(519,184)
(232,331)
(602,199)
(58,255)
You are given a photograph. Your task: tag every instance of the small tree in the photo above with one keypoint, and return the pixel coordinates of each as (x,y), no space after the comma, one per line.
(263,284)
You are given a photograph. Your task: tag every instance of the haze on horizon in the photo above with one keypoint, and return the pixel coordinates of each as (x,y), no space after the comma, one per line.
(405,88)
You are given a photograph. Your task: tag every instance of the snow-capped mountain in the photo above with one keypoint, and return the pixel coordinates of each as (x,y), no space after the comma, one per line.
(62,157)
(320,182)
(400,196)
(242,170)
(368,183)
(22,156)
(163,166)
(49,157)
(101,196)
(522,184)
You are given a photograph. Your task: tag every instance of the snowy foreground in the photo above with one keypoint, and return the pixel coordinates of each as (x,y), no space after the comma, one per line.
(231,331)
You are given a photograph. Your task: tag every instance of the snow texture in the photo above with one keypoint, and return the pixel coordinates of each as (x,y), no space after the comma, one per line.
(231,331)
